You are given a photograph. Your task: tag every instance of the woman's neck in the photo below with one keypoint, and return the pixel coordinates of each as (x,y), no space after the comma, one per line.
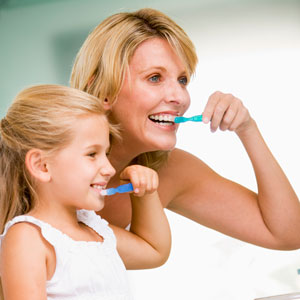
(120,156)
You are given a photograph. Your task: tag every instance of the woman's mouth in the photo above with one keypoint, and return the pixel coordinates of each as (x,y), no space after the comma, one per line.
(162,119)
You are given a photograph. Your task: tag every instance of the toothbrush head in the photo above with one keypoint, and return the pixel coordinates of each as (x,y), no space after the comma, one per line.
(105,192)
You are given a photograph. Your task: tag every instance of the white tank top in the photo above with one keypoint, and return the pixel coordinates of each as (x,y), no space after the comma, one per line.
(84,270)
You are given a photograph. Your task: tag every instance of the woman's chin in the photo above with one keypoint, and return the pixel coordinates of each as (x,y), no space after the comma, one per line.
(165,145)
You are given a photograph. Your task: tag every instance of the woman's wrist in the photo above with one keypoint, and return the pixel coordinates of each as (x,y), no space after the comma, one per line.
(247,130)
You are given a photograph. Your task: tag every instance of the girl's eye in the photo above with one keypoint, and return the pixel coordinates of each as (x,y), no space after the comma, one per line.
(92,154)
(155,78)
(183,80)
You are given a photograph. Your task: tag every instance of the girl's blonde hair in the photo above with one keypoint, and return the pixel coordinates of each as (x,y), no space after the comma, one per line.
(40,117)
(103,59)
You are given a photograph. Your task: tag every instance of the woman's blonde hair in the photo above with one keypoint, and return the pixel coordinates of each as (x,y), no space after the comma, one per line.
(40,117)
(103,59)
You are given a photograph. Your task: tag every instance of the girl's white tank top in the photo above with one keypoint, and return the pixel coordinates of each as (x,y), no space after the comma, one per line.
(84,270)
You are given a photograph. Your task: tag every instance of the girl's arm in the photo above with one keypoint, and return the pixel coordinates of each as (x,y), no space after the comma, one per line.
(270,218)
(23,264)
(148,243)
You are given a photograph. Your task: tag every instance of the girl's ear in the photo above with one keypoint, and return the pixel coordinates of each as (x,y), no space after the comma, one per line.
(37,166)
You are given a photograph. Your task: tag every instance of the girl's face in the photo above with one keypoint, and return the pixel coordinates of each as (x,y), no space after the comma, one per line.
(80,170)
(155,85)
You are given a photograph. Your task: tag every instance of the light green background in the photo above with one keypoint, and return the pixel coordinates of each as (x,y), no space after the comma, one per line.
(39,38)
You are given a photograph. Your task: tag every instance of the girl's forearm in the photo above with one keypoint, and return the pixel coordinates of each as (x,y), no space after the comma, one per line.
(276,198)
(150,223)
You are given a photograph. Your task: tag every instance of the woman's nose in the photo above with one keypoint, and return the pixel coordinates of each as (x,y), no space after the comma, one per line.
(176,94)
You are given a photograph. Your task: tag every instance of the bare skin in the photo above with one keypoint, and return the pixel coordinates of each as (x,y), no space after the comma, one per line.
(270,218)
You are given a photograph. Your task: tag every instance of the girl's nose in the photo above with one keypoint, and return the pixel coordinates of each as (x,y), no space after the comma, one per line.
(107,170)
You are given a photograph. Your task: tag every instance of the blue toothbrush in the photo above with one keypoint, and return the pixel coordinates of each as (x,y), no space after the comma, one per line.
(184,119)
(120,189)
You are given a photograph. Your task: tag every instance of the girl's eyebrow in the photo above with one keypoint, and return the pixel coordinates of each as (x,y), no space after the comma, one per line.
(97,146)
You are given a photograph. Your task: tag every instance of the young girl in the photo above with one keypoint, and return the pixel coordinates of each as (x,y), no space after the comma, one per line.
(54,142)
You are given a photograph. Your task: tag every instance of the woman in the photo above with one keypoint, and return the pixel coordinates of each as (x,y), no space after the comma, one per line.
(139,65)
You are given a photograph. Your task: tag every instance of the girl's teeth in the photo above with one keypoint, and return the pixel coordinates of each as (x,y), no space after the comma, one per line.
(99,187)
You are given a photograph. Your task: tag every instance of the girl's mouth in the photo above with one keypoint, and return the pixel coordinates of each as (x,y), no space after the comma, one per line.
(98,187)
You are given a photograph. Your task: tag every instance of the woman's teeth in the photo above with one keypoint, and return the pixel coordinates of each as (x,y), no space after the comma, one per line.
(166,120)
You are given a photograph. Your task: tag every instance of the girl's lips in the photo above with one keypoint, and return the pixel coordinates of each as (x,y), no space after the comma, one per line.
(99,186)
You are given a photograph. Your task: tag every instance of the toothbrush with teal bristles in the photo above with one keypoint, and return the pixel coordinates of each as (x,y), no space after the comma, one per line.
(125,188)
(184,119)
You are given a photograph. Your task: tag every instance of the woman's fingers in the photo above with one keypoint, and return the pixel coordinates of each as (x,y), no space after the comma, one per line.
(224,111)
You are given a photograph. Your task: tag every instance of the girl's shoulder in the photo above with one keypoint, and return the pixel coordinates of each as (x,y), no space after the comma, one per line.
(23,244)
(21,234)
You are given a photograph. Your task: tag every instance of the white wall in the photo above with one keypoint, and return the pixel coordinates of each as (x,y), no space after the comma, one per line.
(248,48)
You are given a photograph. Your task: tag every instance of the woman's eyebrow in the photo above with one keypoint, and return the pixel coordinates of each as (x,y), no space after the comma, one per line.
(152,68)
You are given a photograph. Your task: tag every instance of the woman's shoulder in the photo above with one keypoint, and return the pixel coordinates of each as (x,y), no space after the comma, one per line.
(182,161)
(182,171)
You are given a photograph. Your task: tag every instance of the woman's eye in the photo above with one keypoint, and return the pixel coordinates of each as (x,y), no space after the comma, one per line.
(155,78)
(183,80)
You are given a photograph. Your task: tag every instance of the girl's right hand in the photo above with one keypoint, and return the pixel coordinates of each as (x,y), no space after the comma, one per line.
(143,179)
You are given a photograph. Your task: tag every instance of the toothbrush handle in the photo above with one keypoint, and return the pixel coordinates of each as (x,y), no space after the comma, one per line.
(196,118)
(184,119)
(124,188)
(180,119)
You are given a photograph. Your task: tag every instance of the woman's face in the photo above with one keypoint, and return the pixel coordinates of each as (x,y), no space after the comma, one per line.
(155,85)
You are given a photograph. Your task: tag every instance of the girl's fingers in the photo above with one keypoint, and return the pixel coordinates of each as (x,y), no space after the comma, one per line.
(143,179)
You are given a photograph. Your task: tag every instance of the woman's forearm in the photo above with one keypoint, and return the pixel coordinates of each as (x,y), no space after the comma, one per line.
(278,203)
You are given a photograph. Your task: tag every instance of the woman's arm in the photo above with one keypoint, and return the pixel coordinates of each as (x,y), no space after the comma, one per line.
(270,218)
(148,243)
(23,264)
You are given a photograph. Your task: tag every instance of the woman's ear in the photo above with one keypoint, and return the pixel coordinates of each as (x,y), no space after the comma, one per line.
(37,166)
(106,104)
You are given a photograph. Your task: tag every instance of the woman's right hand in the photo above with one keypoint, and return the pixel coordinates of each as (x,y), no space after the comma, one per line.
(226,112)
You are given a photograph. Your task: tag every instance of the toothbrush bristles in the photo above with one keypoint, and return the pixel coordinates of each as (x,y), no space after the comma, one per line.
(103,193)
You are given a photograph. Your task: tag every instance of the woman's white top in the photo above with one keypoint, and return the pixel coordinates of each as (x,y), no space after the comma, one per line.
(84,270)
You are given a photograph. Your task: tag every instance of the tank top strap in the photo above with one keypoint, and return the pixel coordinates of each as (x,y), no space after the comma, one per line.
(94,221)
(49,233)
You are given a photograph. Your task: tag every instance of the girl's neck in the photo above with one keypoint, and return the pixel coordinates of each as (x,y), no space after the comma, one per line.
(58,217)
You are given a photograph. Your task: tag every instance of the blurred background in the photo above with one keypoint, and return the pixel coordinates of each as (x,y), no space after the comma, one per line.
(250,48)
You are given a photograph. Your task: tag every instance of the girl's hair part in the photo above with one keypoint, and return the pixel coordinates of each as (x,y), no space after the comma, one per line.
(101,63)
(40,117)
